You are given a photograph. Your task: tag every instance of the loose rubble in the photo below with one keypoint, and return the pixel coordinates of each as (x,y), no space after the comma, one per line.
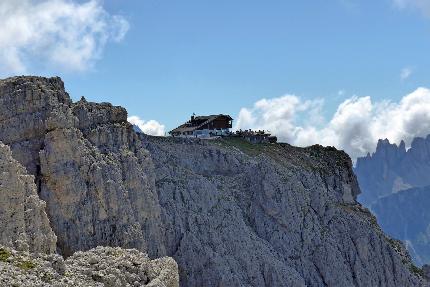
(102,266)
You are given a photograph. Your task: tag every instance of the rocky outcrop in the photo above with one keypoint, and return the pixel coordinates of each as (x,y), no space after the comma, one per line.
(88,165)
(103,266)
(58,154)
(29,108)
(229,212)
(24,224)
(391,169)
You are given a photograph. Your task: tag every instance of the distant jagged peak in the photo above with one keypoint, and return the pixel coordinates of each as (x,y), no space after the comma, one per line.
(417,142)
(384,144)
(402,146)
(391,166)
(385,149)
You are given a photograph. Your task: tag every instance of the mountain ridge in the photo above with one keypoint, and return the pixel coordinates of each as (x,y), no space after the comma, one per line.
(392,168)
(404,215)
(254,215)
(395,185)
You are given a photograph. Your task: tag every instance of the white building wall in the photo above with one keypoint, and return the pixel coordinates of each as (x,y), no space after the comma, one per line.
(206,133)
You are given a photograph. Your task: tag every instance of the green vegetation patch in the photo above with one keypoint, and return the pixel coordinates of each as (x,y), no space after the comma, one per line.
(26,265)
(4,255)
(242,145)
(394,243)
(417,271)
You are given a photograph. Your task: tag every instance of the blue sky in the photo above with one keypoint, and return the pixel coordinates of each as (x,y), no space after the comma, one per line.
(179,57)
(199,56)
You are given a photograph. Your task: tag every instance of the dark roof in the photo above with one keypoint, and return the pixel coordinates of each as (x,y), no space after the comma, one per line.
(211,117)
(198,122)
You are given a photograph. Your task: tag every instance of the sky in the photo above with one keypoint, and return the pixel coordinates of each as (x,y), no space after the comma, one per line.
(335,72)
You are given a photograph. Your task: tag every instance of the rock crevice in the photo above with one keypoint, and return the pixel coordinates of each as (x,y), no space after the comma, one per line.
(24,222)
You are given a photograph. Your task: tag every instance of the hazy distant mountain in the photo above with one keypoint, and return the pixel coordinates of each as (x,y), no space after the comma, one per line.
(391,169)
(406,215)
(395,185)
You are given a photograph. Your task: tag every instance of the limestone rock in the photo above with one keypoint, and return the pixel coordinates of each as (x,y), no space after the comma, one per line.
(101,267)
(230,213)
(29,107)
(24,224)
(88,165)
(270,215)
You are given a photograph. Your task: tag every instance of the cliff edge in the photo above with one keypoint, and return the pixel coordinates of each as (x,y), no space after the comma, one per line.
(229,213)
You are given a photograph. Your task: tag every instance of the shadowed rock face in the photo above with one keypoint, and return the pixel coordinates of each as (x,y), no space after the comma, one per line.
(230,213)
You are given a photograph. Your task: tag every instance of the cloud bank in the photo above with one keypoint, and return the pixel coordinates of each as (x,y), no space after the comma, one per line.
(151,127)
(65,34)
(355,127)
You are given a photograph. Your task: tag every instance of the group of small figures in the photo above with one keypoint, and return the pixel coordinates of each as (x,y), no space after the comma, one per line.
(260,136)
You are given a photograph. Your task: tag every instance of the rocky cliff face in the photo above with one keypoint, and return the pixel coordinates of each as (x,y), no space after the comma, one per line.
(24,223)
(88,165)
(391,169)
(230,213)
(269,215)
(41,125)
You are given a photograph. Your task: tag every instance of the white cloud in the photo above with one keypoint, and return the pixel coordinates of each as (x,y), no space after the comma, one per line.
(66,34)
(151,127)
(355,127)
(405,73)
(421,5)
(279,115)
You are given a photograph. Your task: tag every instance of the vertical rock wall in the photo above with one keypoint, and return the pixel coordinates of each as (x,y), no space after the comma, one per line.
(87,163)
(24,224)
